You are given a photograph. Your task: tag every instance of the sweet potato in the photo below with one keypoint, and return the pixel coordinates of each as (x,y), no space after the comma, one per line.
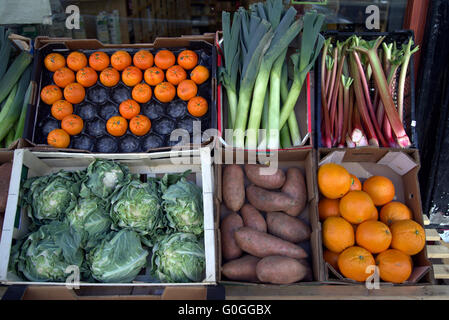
(273,181)
(5,176)
(229,247)
(242,269)
(233,187)
(253,218)
(295,187)
(261,244)
(309,273)
(265,200)
(280,270)
(286,227)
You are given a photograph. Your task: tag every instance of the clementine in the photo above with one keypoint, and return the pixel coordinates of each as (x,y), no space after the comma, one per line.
(86,77)
(76,60)
(354,262)
(338,234)
(408,236)
(328,208)
(143,59)
(58,138)
(334,180)
(63,76)
(54,61)
(164,59)
(380,189)
(394,266)
(153,76)
(200,74)
(356,206)
(120,60)
(394,211)
(50,94)
(99,61)
(374,236)
(74,93)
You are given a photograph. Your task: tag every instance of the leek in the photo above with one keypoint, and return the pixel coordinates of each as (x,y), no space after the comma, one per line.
(290,129)
(311,43)
(231,51)
(285,32)
(255,38)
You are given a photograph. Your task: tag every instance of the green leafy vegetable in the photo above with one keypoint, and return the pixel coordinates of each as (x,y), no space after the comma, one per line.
(138,207)
(179,257)
(183,204)
(51,197)
(91,219)
(118,258)
(103,177)
(46,253)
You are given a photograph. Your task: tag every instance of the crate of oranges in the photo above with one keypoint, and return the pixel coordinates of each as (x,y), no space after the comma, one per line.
(125,98)
(371,216)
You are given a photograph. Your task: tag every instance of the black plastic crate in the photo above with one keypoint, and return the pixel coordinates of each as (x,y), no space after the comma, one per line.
(400,37)
(102,102)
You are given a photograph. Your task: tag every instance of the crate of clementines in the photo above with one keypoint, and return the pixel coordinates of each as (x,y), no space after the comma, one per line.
(371,216)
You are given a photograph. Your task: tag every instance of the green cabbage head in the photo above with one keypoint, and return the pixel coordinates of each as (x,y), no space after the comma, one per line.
(91,219)
(46,253)
(179,257)
(50,197)
(183,205)
(137,207)
(103,177)
(118,258)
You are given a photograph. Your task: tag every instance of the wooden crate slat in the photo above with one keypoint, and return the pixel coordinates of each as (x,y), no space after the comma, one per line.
(441,271)
(432,235)
(437,252)
(426,220)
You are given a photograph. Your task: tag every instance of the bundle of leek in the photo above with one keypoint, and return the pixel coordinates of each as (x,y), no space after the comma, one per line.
(255,50)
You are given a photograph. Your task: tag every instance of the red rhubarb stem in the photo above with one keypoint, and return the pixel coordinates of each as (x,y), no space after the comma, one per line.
(368,101)
(387,100)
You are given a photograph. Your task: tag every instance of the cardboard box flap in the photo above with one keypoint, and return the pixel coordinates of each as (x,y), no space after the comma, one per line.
(399,162)
(417,274)
(334,157)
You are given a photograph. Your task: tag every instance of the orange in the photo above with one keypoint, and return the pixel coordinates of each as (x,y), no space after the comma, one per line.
(131,76)
(394,211)
(109,77)
(200,74)
(408,236)
(120,60)
(164,92)
(328,208)
(175,74)
(140,125)
(54,61)
(188,59)
(338,234)
(187,89)
(76,60)
(356,207)
(374,214)
(153,76)
(354,262)
(331,258)
(141,93)
(72,124)
(380,189)
(394,266)
(334,180)
(374,236)
(117,126)
(143,59)
(74,93)
(50,94)
(164,59)
(355,183)
(61,109)
(129,109)
(99,61)
(63,76)
(197,106)
(86,77)
(58,138)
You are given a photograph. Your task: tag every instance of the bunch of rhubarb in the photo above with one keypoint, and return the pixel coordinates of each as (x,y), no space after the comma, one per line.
(359,80)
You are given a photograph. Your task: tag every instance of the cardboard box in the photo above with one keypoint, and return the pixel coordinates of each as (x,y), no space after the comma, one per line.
(303,108)
(29,164)
(45,45)
(117,293)
(305,160)
(401,166)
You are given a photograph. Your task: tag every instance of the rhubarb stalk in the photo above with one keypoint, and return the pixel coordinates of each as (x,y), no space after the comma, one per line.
(384,92)
(401,87)
(346,83)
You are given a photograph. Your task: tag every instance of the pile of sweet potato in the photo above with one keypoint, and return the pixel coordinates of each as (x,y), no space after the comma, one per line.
(260,238)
